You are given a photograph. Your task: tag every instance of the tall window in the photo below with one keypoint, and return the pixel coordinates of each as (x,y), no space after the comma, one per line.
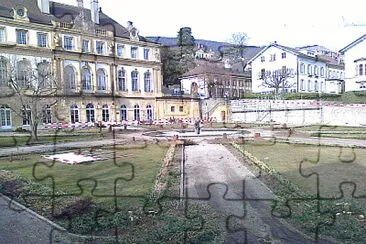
(90,113)
(149,113)
(263,73)
(105,113)
(26,115)
(146,53)
(47,115)
(134,80)
(42,39)
(22,37)
(360,70)
(147,82)
(310,69)
(85,46)
(24,72)
(44,74)
(86,79)
(3,72)
(5,116)
(309,85)
(2,34)
(68,42)
(136,112)
(100,47)
(74,113)
(120,50)
(123,112)
(302,68)
(122,80)
(101,80)
(316,70)
(302,85)
(69,77)
(322,71)
(133,52)
(316,86)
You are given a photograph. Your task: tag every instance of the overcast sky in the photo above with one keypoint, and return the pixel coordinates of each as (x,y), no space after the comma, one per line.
(289,22)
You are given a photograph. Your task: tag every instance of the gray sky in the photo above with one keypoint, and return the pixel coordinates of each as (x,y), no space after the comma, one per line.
(289,22)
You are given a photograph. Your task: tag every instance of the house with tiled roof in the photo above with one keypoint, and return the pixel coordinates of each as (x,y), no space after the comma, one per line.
(103,71)
(304,73)
(355,64)
(214,80)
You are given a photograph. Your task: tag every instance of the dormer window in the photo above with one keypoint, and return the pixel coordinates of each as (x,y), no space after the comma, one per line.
(20,13)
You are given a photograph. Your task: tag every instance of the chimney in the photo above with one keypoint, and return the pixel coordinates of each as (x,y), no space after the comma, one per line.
(129,25)
(94,10)
(44,6)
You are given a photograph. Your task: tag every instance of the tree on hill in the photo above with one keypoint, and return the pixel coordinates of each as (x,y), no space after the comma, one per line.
(278,79)
(178,59)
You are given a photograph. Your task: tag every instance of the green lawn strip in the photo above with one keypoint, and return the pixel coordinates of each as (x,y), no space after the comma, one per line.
(280,164)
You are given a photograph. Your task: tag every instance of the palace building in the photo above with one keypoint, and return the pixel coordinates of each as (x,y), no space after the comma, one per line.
(74,65)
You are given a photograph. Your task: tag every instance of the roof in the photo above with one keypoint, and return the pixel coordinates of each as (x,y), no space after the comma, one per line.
(352,44)
(213,68)
(63,13)
(294,51)
(34,13)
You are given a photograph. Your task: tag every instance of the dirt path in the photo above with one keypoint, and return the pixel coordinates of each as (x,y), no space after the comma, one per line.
(211,167)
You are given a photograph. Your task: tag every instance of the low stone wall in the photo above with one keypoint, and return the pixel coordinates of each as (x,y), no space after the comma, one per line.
(298,112)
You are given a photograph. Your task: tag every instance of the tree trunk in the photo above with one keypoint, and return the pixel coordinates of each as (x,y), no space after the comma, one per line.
(34,132)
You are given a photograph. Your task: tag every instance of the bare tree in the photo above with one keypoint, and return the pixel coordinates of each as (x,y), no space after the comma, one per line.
(278,79)
(31,91)
(233,53)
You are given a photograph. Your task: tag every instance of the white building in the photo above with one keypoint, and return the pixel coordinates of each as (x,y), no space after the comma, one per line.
(355,65)
(308,73)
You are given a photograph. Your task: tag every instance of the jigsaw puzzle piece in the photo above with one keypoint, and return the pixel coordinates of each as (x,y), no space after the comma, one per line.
(332,166)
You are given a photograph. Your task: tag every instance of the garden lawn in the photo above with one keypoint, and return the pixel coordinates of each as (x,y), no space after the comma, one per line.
(138,165)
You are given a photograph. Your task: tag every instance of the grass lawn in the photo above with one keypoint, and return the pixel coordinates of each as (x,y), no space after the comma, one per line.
(136,216)
(301,164)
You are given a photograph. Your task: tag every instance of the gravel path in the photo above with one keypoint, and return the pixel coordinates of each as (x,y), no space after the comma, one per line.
(213,165)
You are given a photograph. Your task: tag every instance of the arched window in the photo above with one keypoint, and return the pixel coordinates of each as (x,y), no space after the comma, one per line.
(101,80)
(90,113)
(47,114)
(302,68)
(149,112)
(44,74)
(134,80)
(74,113)
(316,70)
(309,85)
(24,73)
(3,72)
(310,69)
(86,79)
(105,113)
(122,86)
(194,88)
(322,71)
(69,76)
(5,116)
(147,82)
(136,113)
(302,85)
(123,112)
